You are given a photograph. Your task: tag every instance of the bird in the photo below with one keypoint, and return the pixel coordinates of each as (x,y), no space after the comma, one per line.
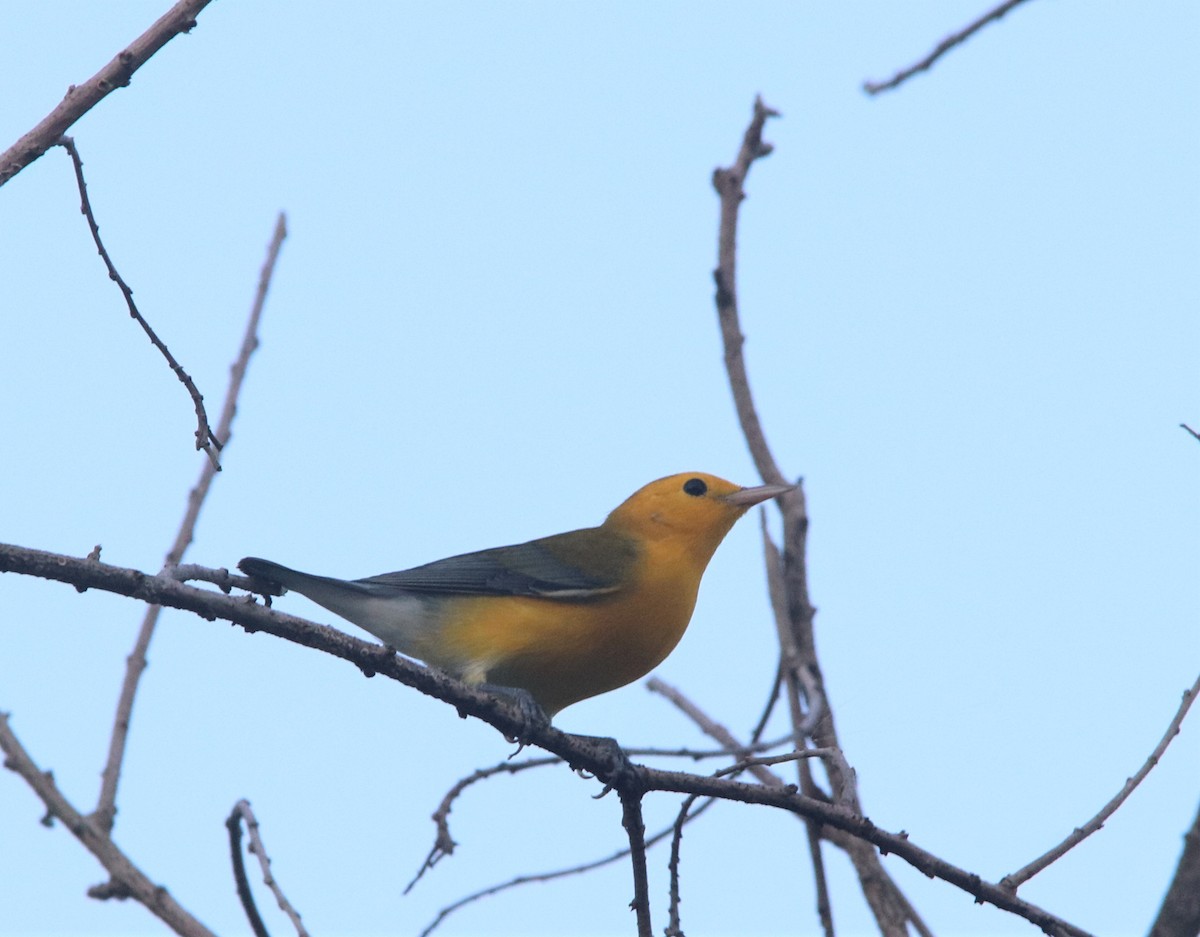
(558,619)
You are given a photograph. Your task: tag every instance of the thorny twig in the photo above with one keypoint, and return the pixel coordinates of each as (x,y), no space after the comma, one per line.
(125,879)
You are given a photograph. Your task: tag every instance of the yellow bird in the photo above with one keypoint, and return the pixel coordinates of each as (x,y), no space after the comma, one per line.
(563,617)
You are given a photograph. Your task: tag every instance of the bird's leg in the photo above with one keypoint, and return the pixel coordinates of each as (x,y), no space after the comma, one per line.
(530,710)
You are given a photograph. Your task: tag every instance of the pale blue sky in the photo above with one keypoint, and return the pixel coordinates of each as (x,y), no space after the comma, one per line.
(971,309)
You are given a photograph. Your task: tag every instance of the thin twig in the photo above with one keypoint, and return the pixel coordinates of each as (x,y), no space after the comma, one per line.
(242,811)
(519,880)
(954,39)
(711,728)
(443,844)
(699,754)
(1080,833)
(781,759)
(1190,430)
(135,663)
(772,700)
(82,98)
(206,439)
(233,823)
(635,829)
(729,184)
(126,879)
(804,718)
(674,922)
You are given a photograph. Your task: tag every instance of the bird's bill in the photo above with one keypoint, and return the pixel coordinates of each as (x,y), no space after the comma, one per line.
(748,497)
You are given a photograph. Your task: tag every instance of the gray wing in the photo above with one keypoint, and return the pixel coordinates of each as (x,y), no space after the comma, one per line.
(582,564)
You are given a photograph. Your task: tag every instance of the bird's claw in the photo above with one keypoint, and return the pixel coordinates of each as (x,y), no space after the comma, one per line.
(620,771)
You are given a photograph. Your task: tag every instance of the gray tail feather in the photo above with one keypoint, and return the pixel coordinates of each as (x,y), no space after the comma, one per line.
(304,583)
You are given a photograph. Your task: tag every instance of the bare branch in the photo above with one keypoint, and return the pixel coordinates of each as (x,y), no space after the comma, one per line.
(443,844)
(206,440)
(233,824)
(82,98)
(788,576)
(954,39)
(862,828)
(241,811)
(729,184)
(135,663)
(1080,833)
(1190,430)
(674,924)
(635,829)
(126,879)
(551,876)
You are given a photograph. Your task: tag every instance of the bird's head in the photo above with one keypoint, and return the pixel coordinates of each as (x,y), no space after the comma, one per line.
(693,507)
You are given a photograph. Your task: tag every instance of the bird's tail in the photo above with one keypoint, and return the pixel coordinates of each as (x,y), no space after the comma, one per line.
(396,617)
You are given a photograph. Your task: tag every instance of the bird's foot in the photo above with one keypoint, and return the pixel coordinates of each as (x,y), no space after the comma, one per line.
(619,771)
(528,708)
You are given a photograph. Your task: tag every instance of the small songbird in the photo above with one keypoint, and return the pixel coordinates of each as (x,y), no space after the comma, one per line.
(563,617)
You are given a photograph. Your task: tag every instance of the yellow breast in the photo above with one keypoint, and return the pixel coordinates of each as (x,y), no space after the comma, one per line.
(566,651)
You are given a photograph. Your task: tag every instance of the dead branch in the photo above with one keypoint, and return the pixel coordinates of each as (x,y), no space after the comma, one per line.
(233,824)
(1080,833)
(125,879)
(635,829)
(206,439)
(729,184)
(241,811)
(811,714)
(954,39)
(82,98)
(443,844)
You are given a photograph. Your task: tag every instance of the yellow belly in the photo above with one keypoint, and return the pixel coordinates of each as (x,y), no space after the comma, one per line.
(563,652)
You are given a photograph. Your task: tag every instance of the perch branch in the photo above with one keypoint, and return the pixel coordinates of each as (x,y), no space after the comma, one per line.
(581,753)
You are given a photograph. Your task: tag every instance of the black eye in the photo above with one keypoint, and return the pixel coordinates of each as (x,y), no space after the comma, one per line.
(695,487)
